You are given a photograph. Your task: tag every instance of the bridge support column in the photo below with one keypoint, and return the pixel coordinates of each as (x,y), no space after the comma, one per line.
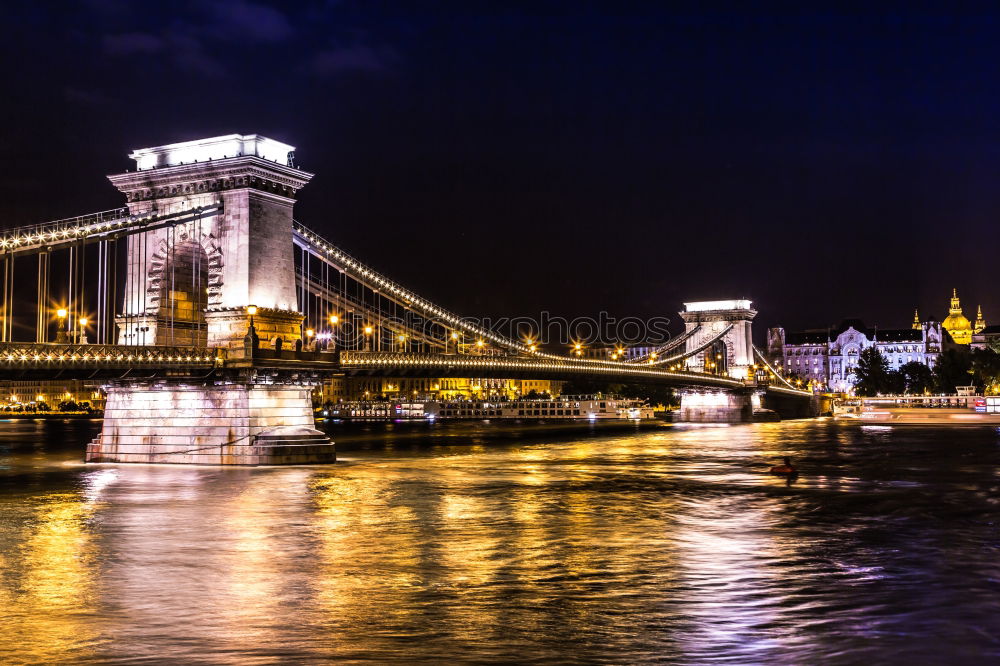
(175,421)
(732,407)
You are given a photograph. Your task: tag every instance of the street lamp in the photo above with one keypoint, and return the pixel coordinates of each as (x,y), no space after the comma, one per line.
(402,342)
(83,330)
(61,329)
(251,341)
(368,333)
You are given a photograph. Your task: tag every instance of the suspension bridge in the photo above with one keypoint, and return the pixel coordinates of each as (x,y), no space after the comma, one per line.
(209,314)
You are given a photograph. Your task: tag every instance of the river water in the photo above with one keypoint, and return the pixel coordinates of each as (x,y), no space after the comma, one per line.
(461,543)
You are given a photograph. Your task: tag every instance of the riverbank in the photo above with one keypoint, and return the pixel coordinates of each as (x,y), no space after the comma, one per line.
(58,416)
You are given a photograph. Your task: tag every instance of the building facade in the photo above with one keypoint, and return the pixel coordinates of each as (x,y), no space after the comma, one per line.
(827,357)
(346,389)
(988,337)
(21,394)
(619,353)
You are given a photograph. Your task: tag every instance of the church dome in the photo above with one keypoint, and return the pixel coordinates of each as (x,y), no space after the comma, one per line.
(956,323)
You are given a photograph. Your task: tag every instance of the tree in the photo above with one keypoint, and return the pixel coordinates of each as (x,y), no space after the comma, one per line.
(954,368)
(986,369)
(917,377)
(895,383)
(872,372)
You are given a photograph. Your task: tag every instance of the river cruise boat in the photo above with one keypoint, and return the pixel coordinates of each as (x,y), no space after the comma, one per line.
(582,407)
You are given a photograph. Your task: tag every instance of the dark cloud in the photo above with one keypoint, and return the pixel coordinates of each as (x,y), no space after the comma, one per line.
(131,43)
(353,57)
(239,20)
(201,38)
(187,50)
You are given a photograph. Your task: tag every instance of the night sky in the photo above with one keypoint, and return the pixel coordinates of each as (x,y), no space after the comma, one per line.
(568,157)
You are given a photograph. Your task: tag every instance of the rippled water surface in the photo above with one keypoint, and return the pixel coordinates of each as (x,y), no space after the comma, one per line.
(460,543)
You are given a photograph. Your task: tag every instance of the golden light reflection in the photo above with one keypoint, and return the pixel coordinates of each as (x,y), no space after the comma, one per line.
(252,590)
(471,561)
(372,553)
(52,609)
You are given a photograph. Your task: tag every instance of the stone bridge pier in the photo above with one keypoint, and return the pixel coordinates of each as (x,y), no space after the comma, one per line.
(228,423)
(719,407)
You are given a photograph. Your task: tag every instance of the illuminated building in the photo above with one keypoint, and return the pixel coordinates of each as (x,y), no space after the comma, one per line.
(987,337)
(346,389)
(626,353)
(31,393)
(828,356)
(957,325)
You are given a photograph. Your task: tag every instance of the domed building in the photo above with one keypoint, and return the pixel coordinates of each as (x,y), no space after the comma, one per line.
(960,328)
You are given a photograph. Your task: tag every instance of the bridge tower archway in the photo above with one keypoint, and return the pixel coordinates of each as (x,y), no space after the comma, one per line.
(716,358)
(247,244)
(179,276)
(725,326)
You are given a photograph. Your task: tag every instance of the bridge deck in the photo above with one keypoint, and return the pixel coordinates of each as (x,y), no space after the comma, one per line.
(43,360)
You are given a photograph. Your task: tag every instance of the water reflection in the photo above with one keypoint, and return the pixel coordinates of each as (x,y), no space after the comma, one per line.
(668,545)
(50,590)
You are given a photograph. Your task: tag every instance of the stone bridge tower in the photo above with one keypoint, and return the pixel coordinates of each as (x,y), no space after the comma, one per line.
(733,353)
(191,284)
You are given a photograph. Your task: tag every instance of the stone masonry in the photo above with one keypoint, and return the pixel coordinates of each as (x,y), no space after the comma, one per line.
(191,284)
(229,424)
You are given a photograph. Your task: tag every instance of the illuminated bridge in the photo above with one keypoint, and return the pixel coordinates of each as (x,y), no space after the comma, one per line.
(209,314)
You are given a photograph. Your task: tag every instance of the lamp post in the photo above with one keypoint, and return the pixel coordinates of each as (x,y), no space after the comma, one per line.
(310,333)
(83,330)
(368,337)
(61,337)
(454,337)
(251,341)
